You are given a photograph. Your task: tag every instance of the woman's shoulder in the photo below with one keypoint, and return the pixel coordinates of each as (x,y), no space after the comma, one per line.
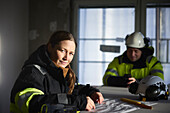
(32,73)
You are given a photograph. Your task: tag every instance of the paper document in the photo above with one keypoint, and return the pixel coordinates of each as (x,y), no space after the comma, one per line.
(116,106)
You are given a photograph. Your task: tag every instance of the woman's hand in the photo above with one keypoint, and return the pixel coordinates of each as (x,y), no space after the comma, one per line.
(97,97)
(90,104)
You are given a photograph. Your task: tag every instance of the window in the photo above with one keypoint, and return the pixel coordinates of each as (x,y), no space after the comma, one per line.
(101,26)
(99,22)
(158,29)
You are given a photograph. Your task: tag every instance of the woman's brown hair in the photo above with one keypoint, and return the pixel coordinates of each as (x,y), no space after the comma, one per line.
(56,38)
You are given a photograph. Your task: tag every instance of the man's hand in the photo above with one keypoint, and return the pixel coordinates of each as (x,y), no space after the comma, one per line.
(131,80)
(97,97)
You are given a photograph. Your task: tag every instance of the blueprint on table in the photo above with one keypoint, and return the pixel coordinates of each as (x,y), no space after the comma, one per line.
(116,106)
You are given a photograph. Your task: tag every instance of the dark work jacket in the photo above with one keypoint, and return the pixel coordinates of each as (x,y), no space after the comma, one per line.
(52,83)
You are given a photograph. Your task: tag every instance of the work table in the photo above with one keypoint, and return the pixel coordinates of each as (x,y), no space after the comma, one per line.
(161,106)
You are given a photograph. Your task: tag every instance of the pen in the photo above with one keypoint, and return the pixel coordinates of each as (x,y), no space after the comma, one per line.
(136,103)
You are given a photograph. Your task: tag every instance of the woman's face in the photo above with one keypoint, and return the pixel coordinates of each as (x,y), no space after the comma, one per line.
(134,54)
(63,53)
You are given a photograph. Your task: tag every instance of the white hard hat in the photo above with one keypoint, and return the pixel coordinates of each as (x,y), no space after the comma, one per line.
(147,81)
(151,88)
(135,40)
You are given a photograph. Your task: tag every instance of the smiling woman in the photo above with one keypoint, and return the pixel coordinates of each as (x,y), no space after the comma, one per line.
(63,53)
(47,81)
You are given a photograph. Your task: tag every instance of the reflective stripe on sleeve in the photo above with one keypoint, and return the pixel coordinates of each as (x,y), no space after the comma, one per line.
(156,70)
(22,99)
(112,71)
(105,79)
(108,75)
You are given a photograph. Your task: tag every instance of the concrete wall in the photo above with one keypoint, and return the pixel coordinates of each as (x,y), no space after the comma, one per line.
(13,45)
(45,17)
(25,25)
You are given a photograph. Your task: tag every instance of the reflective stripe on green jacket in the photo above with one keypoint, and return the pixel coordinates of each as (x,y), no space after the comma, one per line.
(118,68)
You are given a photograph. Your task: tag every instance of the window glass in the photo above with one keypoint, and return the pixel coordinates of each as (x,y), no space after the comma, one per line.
(101,26)
(91,23)
(154,46)
(151,23)
(91,73)
(163,51)
(157,28)
(90,50)
(116,19)
(165,23)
